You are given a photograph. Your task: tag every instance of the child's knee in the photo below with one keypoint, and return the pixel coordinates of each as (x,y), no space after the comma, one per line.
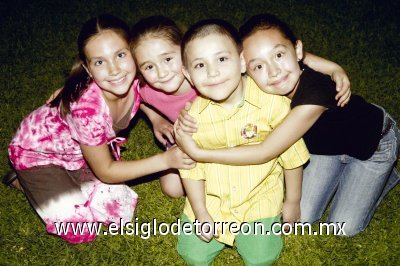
(171,185)
(172,192)
(191,256)
(349,228)
(310,213)
(259,249)
(266,257)
(194,258)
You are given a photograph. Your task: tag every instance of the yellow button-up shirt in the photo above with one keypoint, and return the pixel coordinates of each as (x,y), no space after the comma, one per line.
(242,193)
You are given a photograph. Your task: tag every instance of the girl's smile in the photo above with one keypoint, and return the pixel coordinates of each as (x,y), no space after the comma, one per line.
(272,61)
(110,63)
(160,64)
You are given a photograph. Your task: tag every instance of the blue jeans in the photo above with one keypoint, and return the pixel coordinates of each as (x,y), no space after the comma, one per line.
(355,187)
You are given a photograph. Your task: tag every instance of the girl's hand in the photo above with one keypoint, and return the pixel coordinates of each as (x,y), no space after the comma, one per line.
(177,159)
(185,121)
(163,131)
(53,95)
(290,212)
(185,142)
(342,86)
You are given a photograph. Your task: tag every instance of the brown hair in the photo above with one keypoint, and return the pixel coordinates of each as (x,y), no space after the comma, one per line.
(155,26)
(78,79)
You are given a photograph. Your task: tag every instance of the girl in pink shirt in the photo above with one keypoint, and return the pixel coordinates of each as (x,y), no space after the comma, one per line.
(60,151)
(155,45)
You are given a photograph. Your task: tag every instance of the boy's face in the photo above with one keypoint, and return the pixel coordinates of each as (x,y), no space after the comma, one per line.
(214,67)
(272,61)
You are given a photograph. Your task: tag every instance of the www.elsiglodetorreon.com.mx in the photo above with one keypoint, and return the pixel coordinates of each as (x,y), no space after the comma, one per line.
(147,229)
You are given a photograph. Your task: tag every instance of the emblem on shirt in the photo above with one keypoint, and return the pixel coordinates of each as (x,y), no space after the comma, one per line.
(249,131)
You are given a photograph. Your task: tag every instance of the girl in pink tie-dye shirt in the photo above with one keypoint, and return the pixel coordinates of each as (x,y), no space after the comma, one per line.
(60,151)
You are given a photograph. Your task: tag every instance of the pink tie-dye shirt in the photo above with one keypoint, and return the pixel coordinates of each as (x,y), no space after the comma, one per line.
(44,138)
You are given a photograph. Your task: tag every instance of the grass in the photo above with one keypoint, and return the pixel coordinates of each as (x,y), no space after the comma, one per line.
(37,46)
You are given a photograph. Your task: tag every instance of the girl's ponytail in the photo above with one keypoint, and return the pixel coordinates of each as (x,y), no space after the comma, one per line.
(75,84)
(78,79)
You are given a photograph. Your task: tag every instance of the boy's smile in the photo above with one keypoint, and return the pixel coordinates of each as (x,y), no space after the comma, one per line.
(214,66)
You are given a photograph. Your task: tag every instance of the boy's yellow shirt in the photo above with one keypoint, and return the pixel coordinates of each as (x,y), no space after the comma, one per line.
(242,193)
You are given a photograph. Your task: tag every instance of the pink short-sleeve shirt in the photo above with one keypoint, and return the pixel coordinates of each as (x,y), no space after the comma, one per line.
(169,105)
(45,138)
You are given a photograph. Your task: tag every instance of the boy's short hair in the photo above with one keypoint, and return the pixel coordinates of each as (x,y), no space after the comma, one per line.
(207,27)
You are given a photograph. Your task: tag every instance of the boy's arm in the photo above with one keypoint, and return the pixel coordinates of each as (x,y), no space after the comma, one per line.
(195,192)
(163,129)
(336,72)
(291,205)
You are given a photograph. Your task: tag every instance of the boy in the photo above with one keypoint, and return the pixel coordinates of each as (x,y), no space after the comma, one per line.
(232,111)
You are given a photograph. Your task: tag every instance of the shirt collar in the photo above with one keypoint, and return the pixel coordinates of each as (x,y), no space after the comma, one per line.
(252,95)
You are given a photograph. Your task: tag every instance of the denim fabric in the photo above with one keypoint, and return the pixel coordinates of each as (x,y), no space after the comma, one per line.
(355,187)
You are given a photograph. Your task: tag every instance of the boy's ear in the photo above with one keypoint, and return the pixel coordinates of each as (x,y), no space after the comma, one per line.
(87,70)
(242,63)
(187,76)
(299,50)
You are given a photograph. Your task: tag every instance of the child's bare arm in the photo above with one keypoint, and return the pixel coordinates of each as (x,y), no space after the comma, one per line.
(110,171)
(195,191)
(291,205)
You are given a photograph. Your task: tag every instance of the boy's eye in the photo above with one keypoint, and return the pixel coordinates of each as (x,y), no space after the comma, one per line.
(149,67)
(279,55)
(98,63)
(168,59)
(199,65)
(222,59)
(121,55)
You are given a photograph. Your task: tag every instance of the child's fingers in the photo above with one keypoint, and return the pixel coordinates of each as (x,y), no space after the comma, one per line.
(339,85)
(344,99)
(159,137)
(169,135)
(187,106)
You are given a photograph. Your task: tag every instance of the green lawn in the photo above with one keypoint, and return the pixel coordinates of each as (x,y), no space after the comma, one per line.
(37,46)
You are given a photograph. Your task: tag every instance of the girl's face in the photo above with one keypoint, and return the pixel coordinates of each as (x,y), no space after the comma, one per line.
(110,63)
(272,61)
(216,70)
(159,61)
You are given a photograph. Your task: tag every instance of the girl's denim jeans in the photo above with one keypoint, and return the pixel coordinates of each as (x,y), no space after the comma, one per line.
(355,187)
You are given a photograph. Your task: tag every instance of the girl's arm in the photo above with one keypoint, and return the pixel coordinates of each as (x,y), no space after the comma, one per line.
(336,72)
(110,171)
(291,206)
(162,128)
(293,127)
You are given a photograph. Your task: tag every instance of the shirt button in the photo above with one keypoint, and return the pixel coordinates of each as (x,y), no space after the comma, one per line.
(233,188)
